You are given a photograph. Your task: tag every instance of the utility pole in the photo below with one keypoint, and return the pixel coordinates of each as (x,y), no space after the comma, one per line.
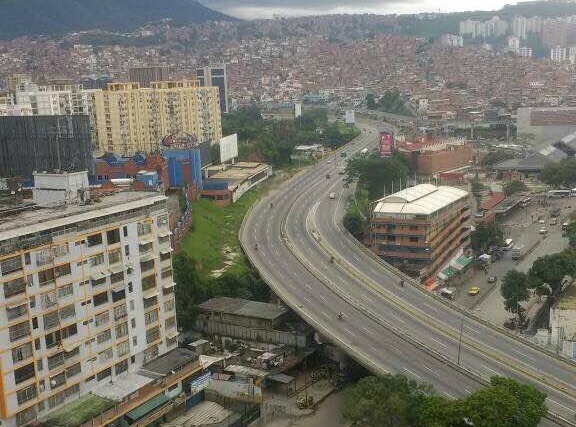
(460,340)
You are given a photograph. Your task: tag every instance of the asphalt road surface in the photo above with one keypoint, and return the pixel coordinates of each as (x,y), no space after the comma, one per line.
(386,327)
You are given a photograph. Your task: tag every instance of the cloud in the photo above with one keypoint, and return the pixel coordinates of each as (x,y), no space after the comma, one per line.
(251,9)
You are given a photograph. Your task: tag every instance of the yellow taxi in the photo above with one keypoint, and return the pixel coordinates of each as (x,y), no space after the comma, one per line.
(474,290)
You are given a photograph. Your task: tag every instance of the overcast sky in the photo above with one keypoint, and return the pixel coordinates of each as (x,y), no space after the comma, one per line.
(253,9)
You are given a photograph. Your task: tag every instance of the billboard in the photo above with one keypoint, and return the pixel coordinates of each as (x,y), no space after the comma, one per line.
(385,144)
(350,119)
(228,147)
(297,110)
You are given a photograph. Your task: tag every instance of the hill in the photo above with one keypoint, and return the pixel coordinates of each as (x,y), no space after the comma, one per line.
(50,17)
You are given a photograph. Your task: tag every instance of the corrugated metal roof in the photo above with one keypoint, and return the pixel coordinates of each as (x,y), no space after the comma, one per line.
(423,199)
(242,307)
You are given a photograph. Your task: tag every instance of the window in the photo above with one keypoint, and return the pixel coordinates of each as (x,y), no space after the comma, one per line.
(46,277)
(73,370)
(132,305)
(37,345)
(58,380)
(145,248)
(40,365)
(98,282)
(118,295)
(53,338)
(26,394)
(55,360)
(152,334)
(60,251)
(105,355)
(48,299)
(148,283)
(391,238)
(16,312)
(65,291)
(114,256)
(414,239)
(170,322)
(151,317)
(166,272)
(19,331)
(22,352)
(149,302)
(27,259)
(113,236)
(69,331)
(100,299)
(62,270)
(11,265)
(135,341)
(117,277)
(130,287)
(169,305)
(147,265)
(144,228)
(97,260)
(32,302)
(104,374)
(121,367)
(34,323)
(150,353)
(102,319)
(24,373)
(14,287)
(120,312)
(25,416)
(94,240)
(51,320)
(133,323)
(121,330)
(125,231)
(104,336)
(127,250)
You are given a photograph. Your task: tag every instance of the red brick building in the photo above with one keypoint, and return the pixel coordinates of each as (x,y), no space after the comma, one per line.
(430,157)
(109,166)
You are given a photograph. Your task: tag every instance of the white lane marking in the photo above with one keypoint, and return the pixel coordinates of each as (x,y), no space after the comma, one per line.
(449,395)
(368,330)
(491,370)
(395,348)
(291,285)
(349,331)
(467,391)
(374,347)
(559,404)
(430,307)
(365,297)
(472,329)
(325,314)
(397,318)
(430,370)
(438,341)
(323,297)
(522,354)
(416,375)
(307,299)
(307,285)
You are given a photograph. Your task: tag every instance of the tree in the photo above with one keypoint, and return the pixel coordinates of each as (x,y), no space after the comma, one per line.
(370,102)
(560,174)
(378,174)
(495,157)
(487,235)
(386,401)
(514,289)
(551,269)
(571,234)
(514,187)
(354,223)
(505,403)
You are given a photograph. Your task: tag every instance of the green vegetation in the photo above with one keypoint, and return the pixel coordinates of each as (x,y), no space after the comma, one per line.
(374,175)
(274,140)
(561,174)
(396,401)
(485,236)
(78,412)
(571,234)
(544,277)
(514,187)
(390,102)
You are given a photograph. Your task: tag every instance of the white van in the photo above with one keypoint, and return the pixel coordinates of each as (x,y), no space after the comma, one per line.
(447,293)
(332,195)
(508,244)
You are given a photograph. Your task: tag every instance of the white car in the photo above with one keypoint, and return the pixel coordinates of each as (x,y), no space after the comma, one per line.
(541,221)
(332,195)
(543,230)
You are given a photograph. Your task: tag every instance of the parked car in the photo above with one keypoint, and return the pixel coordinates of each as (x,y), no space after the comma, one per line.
(553,222)
(543,230)
(332,195)
(473,291)
(492,279)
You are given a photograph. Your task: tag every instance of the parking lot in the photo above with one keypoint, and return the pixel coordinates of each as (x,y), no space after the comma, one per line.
(524,228)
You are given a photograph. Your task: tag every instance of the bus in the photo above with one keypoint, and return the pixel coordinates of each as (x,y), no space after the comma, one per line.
(573,192)
(559,193)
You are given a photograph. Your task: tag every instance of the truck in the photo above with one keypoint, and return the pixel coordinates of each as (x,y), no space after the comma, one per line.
(517,252)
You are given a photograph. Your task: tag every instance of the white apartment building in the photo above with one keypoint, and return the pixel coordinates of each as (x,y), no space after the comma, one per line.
(452,40)
(525,52)
(558,54)
(54,99)
(86,293)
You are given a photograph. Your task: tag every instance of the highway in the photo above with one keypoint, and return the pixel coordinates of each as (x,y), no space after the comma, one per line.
(386,327)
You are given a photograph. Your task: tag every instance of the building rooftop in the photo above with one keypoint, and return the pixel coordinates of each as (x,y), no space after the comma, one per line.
(77,412)
(242,307)
(168,362)
(122,387)
(423,199)
(36,219)
(240,172)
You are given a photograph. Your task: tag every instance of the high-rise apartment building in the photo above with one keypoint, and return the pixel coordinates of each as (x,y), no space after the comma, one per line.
(144,76)
(129,119)
(215,76)
(86,293)
(421,228)
(559,54)
(54,99)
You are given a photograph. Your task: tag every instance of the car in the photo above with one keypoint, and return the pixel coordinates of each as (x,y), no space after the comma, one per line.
(553,222)
(332,195)
(543,230)
(474,290)
(327,176)
(541,221)
(492,279)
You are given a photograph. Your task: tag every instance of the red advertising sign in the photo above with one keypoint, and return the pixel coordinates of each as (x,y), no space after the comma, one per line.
(386,144)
